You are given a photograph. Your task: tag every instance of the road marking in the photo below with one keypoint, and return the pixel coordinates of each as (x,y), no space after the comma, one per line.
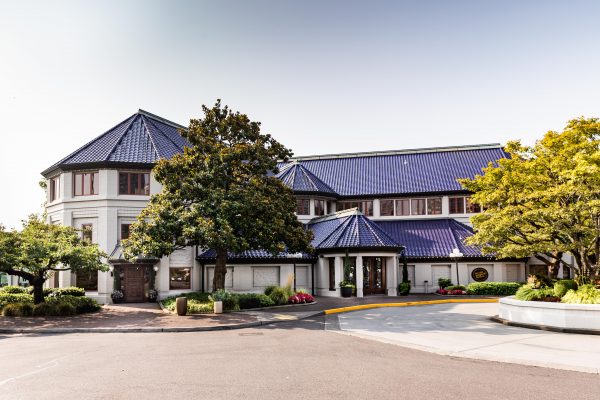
(406,304)
(40,368)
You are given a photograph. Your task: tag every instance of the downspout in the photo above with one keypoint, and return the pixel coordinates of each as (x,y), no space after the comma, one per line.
(294,277)
(312,278)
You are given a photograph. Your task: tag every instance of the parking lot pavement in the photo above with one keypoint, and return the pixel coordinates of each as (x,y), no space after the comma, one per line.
(465,330)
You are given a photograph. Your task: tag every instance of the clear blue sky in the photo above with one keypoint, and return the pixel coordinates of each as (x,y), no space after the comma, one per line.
(322,76)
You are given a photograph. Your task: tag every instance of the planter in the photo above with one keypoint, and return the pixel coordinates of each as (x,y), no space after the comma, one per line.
(181,305)
(218,307)
(117,301)
(346,291)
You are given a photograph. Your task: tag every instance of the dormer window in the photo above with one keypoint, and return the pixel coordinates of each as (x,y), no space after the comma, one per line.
(302,207)
(137,183)
(319,207)
(85,183)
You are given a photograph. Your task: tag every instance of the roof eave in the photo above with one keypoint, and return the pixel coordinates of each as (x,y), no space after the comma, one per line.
(95,165)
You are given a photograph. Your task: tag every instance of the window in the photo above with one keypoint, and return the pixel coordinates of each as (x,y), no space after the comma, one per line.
(125,231)
(319,207)
(472,208)
(134,183)
(403,207)
(302,206)
(88,280)
(365,207)
(85,183)
(331,273)
(417,206)
(434,206)
(86,233)
(3,279)
(386,208)
(54,188)
(180,278)
(457,205)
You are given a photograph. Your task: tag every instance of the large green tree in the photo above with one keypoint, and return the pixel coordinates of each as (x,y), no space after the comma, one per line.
(220,194)
(41,249)
(544,200)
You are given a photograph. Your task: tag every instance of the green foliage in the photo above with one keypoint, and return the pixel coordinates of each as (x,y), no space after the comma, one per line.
(198,303)
(220,194)
(539,281)
(44,310)
(230,302)
(493,288)
(64,309)
(528,293)
(254,300)
(456,287)
(563,286)
(8,298)
(269,289)
(26,309)
(346,283)
(280,295)
(444,282)
(404,288)
(79,303)
(12,310)
(586,294)
(13,289)
(543,199)
(57,292)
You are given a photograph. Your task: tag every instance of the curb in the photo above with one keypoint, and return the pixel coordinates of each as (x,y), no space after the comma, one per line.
(406,304)
(545,327)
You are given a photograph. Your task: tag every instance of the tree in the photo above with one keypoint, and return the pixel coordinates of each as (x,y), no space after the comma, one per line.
(41,249)
(220,193)
(544,200)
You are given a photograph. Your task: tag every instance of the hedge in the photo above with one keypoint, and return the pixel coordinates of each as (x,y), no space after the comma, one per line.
(493,288)
(8,298)
(13,290)
(254,300)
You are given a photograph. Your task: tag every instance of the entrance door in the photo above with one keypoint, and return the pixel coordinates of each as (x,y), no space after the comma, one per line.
(373,275)
(134,284)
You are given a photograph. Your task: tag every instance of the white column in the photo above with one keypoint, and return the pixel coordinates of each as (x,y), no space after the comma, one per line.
(392,276)
(359,276)
(162,277)
(339,273)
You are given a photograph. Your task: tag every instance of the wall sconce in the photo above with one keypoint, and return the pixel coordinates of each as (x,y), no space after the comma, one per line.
(155,268)
(111,269)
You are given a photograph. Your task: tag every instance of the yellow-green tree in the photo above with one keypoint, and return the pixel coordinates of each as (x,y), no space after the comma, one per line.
(544,200)
(220,194)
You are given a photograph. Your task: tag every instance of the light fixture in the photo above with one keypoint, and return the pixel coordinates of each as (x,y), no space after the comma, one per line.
(111,268)
(455,255)
(155,268)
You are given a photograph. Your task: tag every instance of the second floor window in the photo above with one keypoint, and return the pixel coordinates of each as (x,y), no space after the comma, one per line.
(134,183)
(319,207)
(386,208)
(365,207)
(434,206)
(85,183)
(302,207)
(54,188)
(125,231)
(456,205)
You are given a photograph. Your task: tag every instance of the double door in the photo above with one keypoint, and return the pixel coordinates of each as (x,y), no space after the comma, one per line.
(374,275)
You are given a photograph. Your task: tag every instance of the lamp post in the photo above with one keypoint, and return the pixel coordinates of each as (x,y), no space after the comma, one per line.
(455,255)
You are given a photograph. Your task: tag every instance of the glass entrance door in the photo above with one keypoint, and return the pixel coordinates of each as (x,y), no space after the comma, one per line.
(373,275)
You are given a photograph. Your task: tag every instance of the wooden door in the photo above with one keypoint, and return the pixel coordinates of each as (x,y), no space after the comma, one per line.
(373,275)
(134,284)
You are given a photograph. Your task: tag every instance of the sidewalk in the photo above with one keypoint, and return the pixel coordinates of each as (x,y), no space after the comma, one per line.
(148,317)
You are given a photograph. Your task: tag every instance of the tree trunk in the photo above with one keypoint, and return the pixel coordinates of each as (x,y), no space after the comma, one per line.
(555,265)
(38,290)
(220,270)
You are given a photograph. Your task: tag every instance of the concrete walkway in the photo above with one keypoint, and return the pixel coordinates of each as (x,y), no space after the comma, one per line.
(465,330)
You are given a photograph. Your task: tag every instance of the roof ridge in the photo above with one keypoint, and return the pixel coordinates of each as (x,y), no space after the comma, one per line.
(154,148)
(161,119)
(400,152)
(335,215)
(375,234)
(120,138)
(337,228)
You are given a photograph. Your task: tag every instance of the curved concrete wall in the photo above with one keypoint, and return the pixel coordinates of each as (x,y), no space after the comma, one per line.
(559,315)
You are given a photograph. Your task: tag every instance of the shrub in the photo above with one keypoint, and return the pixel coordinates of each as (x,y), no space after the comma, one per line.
(80,304)
(538,281)
(230,302)
(586,294)
(198,303)
(44,310)
(299,298)
(26,309)
(13,289)
(254,300)
(65,309)
(563,286)
(404,288)
(493,288)
(280,295)
(527,293)
(444,282)
(13,310)
(68,291)
(269,289)
(8,298)
(456,287)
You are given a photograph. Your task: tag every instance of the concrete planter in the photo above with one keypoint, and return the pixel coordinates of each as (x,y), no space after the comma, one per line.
(181,305)
(218,307)
(557,315)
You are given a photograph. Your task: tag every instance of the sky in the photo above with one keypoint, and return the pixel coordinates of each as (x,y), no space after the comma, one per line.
(321,76)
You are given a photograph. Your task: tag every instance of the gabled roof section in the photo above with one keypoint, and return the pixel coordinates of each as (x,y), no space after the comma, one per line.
(403,172)
(349,229)
(141,139)
(301,180)
(435,238)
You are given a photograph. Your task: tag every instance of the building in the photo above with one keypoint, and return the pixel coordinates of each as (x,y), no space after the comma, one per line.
(374,208)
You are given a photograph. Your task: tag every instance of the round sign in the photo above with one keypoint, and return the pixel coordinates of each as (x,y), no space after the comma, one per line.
(480,274)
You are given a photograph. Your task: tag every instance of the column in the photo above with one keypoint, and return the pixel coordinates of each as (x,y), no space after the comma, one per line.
(339,273)
(359,276)
(392,270)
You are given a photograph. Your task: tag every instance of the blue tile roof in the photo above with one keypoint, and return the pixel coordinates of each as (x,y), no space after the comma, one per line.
(143,138)
(349,229)
(301,180)
(435,238)
(401,172)
(211,254)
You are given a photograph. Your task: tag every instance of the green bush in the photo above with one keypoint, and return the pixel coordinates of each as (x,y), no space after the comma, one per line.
(269,289)
(254,300)
(586,294)
(65,309)
(280,295)
(539,281)
(230,302)
(68,291)
(198,303)
(444,282)
(26,309)
(44,310)
(563,286)
(493,288)
(13,289)
(456,287)
(8,298)
(527,293)
(80,304)
(404,288)
(13,310)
